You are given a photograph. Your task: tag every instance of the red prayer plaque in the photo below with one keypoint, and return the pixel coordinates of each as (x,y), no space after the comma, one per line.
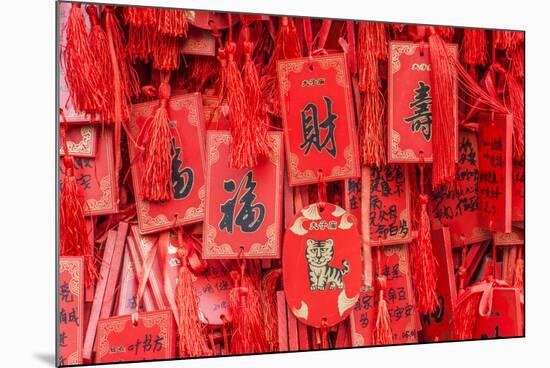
(213,289)
(399,296)
(389,205)
(518,190)
(458,207)
(495,172)
(71,311)
(152,338)
(96,178)
(409,103)
(318,119)
(436,326)
(506,317)
(322,264)
(187,152)
(199,42)
(244,206)
(80,140)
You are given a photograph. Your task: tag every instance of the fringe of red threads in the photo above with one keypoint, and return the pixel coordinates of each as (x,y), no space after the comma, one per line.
(248,335)
(173,22)
(257,123)
(99,46)
(270,285)
(515,99)
(447,33)
(465,317)
(232,91)
(142,31)
(474,47)
(443,77)
(424,270)
(81,73)
(192,341)
(202,72)
(157,162)
(382,334)
(125,83)
(73,234)
(287,46)
(371,49)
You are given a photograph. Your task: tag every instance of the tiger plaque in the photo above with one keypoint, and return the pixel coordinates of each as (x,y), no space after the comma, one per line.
(322,264)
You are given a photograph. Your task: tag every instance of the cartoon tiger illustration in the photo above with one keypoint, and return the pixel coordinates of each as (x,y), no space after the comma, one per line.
(319,253)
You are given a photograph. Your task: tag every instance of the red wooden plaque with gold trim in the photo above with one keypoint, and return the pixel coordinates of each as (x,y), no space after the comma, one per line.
(244,206)
(152,338)
(409,103)
(318,119)
(322,264)
(71,310)
(187,152)
(96,178)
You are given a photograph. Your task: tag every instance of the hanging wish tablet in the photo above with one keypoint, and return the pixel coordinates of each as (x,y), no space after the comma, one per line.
(322,265)
(318,119)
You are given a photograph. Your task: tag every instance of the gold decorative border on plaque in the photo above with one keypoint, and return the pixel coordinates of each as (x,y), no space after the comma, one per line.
(397,50)
(84,147)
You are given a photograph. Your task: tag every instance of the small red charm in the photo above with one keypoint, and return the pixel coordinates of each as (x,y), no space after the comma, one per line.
(322,265)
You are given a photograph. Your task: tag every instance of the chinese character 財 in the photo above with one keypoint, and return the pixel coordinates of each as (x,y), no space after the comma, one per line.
(312,129)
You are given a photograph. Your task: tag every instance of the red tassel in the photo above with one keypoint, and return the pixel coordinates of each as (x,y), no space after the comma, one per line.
(287,46)
(515,99)
(255,140)
(140,16)
(507,39)
(157,163)
(474,47)
(173,22)
(270,285)
(424,263)
(202,71)
(382,334)
(371,49)
(81,73)
(465,316)
(166,53)
(245,305)
(517,62)
(232,90)
(192,341)
(443,110)
(125,83)
(99,46)
(72,226)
